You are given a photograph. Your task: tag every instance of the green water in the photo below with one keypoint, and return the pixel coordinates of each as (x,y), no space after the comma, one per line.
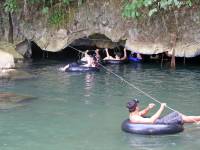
(84,111)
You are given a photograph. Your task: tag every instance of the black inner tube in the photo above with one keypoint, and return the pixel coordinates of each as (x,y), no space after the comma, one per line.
(79,68)
(151,129)
(115,61)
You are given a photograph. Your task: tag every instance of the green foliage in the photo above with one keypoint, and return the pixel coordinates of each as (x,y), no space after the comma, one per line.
(139,8)
(56,17)
(10,6)
(53,9)
(131,10)
(45,10)
(66,2)
(33,1)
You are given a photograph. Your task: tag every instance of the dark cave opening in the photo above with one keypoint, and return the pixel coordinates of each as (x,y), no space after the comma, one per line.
(91,43)
(99,41)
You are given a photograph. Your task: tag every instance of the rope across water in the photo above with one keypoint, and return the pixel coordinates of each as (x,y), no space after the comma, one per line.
(132,85)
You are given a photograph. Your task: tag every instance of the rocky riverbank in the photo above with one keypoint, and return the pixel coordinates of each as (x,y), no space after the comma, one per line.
(8,58)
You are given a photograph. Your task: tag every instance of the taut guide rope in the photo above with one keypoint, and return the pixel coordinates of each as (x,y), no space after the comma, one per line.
(133,86)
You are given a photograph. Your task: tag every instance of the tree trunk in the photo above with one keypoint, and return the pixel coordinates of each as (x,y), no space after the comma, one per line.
(10,34)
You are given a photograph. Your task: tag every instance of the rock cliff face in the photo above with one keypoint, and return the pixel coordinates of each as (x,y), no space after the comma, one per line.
(155,35)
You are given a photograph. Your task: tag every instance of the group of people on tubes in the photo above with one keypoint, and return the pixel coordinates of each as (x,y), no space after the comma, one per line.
(89,60)
(136,115)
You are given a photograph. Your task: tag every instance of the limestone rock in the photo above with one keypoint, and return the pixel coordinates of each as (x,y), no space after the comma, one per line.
(6,60)
(24,48)
(150,36)
(181,50)
(10,48)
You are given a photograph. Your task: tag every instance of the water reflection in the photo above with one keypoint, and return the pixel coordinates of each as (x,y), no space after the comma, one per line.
(148,142)
(137,66)
(165,142)
(71,104)
(6,83)
(89,84)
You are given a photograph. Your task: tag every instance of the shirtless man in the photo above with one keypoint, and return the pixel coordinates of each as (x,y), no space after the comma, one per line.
(90,62)
(137,116)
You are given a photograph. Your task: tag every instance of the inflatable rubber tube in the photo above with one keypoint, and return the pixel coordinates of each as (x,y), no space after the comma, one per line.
(81,62)
(151,129)
(134,59)
(115,61)
(81,69)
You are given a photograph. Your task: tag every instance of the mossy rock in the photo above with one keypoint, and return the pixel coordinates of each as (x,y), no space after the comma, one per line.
(10,48)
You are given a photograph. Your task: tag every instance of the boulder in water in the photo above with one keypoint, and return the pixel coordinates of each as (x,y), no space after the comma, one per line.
(13,75)
(11,100)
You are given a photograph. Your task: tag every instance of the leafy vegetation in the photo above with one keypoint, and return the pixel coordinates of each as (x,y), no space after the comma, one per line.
(147,8)
(10,5)
(56,17)
(55,10)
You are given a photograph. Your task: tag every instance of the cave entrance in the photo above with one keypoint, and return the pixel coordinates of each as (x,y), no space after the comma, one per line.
(101,42)
(91,43)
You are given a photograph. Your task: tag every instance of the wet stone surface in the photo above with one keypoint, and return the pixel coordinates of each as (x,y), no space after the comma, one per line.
(12,100)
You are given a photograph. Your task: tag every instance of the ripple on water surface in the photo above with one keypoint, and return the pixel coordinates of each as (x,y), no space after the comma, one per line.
(85,110)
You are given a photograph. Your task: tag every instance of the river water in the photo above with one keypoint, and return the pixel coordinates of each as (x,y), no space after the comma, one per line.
(84,111)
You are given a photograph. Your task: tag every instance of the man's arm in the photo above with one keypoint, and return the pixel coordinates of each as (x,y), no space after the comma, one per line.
(97,52)
(125,55)
(153,118)
(107,53)
(108,57)
(147,109)
(86,53)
